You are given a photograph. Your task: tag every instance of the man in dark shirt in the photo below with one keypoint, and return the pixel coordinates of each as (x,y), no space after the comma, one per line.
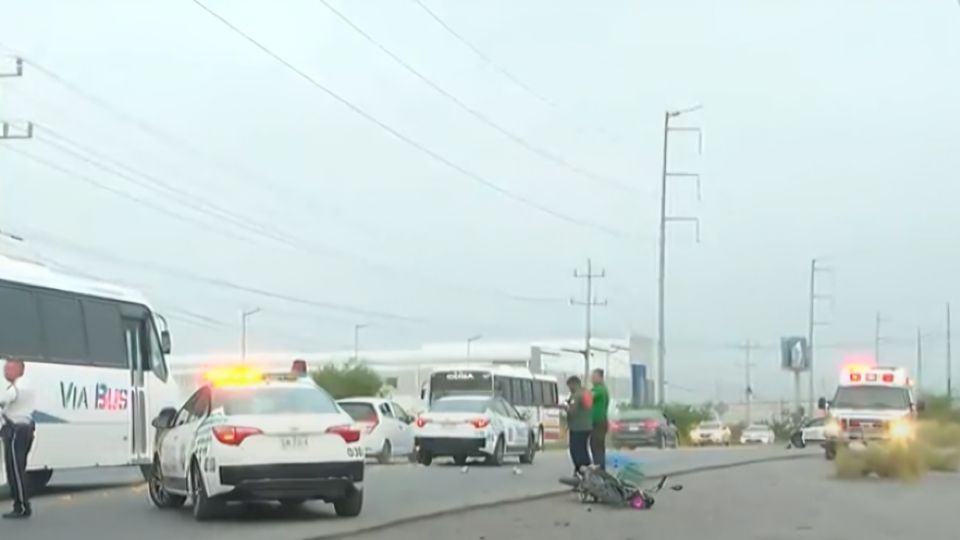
(579,424)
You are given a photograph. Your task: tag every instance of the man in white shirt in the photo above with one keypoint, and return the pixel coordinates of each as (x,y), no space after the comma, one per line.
(16,430)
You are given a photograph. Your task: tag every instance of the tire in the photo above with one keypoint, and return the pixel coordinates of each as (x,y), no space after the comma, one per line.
(460,460)
(386,454)
(541,440)
(37,480)
(350,505)
(158,495)
(662,442)
(496,459)
(204,508)
(424,458)
(527,457)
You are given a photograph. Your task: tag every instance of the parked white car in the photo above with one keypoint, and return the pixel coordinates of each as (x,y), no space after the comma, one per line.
(757,434)
(474,426)
(710,432)
(814,431)
(387,427)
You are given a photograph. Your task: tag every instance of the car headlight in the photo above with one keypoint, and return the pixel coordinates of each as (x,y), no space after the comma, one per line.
(901,430)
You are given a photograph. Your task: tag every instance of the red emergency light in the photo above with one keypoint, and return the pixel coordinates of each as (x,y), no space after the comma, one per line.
(855,377)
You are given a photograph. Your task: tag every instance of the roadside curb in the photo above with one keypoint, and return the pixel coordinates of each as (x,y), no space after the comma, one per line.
(543,495)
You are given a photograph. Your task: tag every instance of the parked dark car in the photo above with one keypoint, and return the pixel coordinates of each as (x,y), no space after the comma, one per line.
(642,428)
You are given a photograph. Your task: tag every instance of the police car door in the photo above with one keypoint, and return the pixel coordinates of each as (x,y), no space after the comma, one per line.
(177,443)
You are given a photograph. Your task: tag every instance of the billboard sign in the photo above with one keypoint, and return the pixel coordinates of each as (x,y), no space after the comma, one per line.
(794,353)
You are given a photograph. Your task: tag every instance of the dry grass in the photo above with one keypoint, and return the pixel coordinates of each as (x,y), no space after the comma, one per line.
(937,448)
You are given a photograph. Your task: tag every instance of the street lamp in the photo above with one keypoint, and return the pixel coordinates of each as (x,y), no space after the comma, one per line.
(470,340)
(356,340)
(243,331)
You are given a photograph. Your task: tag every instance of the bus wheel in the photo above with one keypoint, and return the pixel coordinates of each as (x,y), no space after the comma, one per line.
(541,439)
(39,479)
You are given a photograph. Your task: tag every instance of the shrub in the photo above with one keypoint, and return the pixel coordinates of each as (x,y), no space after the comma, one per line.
(352,379)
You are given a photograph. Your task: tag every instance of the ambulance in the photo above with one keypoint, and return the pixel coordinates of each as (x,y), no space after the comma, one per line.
(872,404)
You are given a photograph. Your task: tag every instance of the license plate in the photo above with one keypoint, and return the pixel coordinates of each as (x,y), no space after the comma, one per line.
(634,428)
(294,442)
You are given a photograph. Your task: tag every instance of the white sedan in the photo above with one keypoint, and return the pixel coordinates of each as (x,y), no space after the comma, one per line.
(474,426)
(274,441)
(387,426)
(757,434)
(710,432)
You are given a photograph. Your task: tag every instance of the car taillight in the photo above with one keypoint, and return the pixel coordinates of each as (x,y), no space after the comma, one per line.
(615,426)
(234,435)
(421,421)
(349,433)
(480,423)
(651,424)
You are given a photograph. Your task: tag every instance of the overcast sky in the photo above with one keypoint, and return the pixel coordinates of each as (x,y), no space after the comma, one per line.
(830,130)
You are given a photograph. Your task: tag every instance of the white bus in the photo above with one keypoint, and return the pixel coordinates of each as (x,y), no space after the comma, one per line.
(536,396)
(95,364)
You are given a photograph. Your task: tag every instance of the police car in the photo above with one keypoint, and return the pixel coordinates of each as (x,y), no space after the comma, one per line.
(241,437)
(473,426)
(871,404)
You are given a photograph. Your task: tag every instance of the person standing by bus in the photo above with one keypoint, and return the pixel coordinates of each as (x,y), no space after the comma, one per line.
(598,435)
(16,430)
(578,424)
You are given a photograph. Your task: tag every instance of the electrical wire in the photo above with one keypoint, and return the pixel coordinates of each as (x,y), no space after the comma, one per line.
(475,177)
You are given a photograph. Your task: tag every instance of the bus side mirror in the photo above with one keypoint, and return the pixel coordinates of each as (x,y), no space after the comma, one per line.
(165,345)
(822,404)
(921,405)
(165,418)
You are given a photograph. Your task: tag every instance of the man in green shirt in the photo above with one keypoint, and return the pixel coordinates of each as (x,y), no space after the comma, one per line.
(601,402)
(579,424)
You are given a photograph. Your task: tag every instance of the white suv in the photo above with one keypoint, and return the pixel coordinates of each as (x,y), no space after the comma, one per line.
(387,427)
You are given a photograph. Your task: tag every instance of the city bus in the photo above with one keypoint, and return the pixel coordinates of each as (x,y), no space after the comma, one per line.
(95,367)
(533,395)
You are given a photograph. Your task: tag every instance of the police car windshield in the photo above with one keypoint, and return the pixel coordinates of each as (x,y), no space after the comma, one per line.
(460,405)
(237,401)
(871,397)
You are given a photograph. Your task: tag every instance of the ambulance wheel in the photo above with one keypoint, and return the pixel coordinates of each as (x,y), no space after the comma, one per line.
(38,480)
(204,508)
(159,496)
(496,459)
(527,457)
(350,505)
(386,454)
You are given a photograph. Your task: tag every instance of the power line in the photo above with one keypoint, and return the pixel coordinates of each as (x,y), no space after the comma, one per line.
(542,153)
(477,178)
(500,69)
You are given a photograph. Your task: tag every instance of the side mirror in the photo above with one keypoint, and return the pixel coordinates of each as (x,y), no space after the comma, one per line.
(921,405)
(525,415)
(165,418)
(165,345)
(822,404)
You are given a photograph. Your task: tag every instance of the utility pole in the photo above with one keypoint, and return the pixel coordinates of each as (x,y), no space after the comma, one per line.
(356,340)
(949,360)
(664,219)
(748,347)
(589,302)
(919,362)
(815,269)
(470,341)
(243,331)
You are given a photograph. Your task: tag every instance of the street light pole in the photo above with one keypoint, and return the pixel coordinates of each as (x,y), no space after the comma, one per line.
(356,340)
(243,331)
(470,340)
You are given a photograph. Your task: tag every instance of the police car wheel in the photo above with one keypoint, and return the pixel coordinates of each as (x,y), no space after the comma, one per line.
(498,451)
(350,505)
(203,506)
(159,496)
(386,453)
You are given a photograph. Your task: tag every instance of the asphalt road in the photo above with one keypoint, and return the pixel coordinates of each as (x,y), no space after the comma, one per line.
(786,500)
(392,492)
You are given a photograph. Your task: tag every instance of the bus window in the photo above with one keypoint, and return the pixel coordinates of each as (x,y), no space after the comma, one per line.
(538,393)
(516,390)
(104,334)
(63,328)
(527,386)
(20,326)
(503,387)
(157,363)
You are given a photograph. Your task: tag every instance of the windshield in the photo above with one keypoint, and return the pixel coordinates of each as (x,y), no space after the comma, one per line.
(360,412)
(641,415)
(709,425)
(757,428)
(871,397)
(274,401)
(447,383)
(460,405)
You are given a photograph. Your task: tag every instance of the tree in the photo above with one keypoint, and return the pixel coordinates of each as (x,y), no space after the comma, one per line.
(349,380)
